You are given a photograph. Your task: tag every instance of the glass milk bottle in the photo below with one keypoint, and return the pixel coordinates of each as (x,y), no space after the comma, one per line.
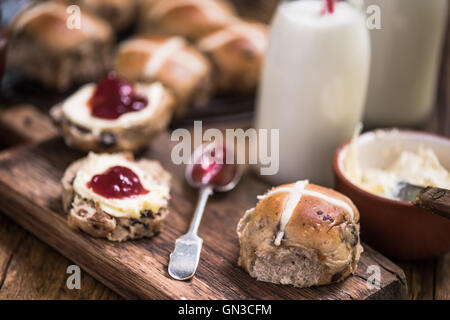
(406,55)
(313,84)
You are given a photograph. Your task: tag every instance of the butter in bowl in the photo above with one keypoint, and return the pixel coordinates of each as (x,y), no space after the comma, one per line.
(371,169)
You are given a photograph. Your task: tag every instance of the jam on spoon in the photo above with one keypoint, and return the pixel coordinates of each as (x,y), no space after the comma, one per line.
(212,172)
(207,173)
(113,97)
(117,183)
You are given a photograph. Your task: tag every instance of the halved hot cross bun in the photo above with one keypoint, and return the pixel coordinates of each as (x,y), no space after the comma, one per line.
(98,118)
(300,234)
(117,217)
(170,60)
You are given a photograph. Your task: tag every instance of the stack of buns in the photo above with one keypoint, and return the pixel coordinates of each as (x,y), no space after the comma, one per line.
(233,49)
(194,47)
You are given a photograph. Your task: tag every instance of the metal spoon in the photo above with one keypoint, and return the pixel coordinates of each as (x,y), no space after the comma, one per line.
(186,255)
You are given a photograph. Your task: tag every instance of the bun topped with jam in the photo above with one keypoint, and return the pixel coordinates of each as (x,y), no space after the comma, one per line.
(114,197)
(114,115)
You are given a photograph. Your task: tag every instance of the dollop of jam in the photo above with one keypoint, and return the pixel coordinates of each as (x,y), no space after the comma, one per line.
(113,97)
(210,171)
(117,183)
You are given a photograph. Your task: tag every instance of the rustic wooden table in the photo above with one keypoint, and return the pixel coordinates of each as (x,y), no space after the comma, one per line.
(30,269)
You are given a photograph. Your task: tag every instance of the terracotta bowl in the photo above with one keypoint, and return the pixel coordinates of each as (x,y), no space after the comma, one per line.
(395,228)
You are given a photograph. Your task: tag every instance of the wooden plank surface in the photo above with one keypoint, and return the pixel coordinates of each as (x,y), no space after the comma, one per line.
(30,269)
(24,123)
(27,123)
(442,280)
(30,194)
(27,276)
(426,280)
(422,283)
(420,279)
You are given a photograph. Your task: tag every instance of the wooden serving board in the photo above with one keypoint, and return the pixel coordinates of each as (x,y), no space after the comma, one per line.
(30,194)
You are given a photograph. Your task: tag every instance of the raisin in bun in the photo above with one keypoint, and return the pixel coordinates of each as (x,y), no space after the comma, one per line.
(43,48)
(116,219)
(237,53)
(170,60)
(189,18)
(119,14)
(300,234)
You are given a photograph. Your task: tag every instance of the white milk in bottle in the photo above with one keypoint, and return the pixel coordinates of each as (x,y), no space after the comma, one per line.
(313,85)
(406,54)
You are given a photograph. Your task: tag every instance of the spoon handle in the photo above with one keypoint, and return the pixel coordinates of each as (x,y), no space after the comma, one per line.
(436,200)
(204,194)
(186,255)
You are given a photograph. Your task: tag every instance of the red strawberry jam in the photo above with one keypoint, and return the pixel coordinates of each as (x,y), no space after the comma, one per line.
(117,183)
(113,97)
(212,172)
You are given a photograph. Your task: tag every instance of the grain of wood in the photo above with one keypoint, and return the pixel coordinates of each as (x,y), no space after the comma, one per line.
(420,279)
(30,193)
(442,282)
(18,278)
(425,279)
(25,123)
(33,270)
(10,239)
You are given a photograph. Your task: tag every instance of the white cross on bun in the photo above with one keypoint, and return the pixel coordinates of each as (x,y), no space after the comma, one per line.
(170,60)
(300,234)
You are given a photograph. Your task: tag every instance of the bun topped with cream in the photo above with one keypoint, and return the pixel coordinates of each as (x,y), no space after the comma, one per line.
(114,115)
(300,234)
(112,196)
